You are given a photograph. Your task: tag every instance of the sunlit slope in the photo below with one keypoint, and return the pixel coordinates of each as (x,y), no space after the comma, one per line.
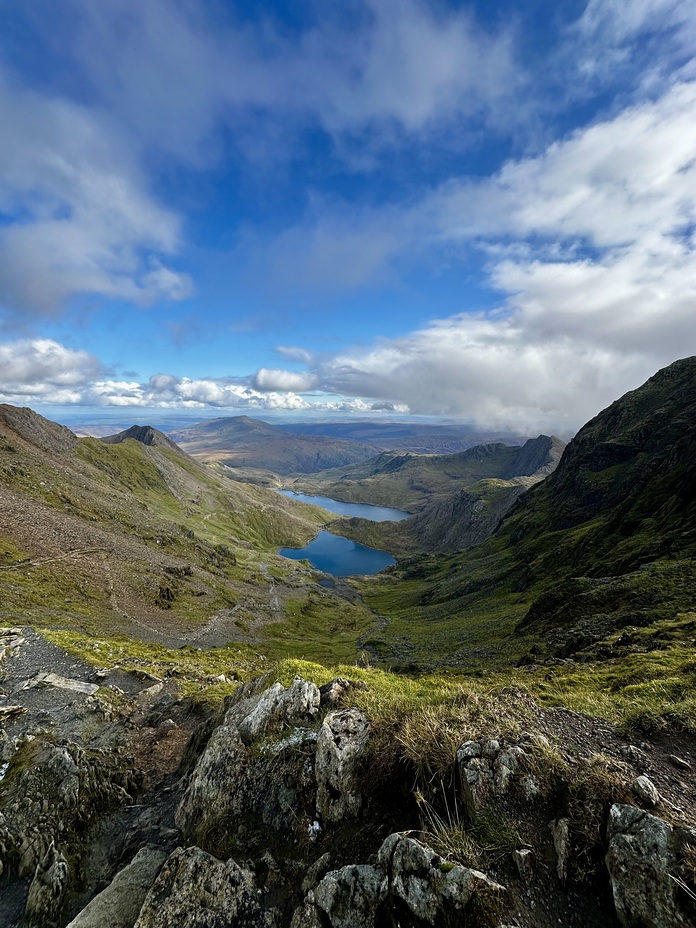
(137,537)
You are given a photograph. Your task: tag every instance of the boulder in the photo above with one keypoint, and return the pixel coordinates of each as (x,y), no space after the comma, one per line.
(409,884)
(118,906)
(643,862)
(560,832)
(486,769)
(241,782)
(195,889)
(340,746)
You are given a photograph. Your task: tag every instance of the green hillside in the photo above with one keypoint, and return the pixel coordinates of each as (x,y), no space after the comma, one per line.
(606,542)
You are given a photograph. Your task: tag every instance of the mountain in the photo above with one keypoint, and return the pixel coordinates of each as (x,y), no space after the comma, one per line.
(412,481)
(146,435)
(391,435)
(131,534)
(240,441)
(606,542)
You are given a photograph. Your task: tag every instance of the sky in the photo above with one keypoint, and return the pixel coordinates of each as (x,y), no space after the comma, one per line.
(482,211)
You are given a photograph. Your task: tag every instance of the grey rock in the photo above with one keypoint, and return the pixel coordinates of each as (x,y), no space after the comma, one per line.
(468,750)
(646,791)
(276,705)
(408,877)
(235,787)
(349,897)
(525,861)
(341,743)
(195,890)
(643,857)
(318,869)
(46,889)
(560,831)
(118,906)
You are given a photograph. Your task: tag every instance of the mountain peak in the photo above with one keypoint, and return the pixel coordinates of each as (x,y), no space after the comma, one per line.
(146,435)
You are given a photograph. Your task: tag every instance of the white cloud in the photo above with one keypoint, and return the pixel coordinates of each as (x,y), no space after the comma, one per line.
(34,369)
(81,220)
(270,379)
(592,244)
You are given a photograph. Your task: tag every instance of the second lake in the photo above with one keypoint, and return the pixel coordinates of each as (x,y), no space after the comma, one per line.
(352,510)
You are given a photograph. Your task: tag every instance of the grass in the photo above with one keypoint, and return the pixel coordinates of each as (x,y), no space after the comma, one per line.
(195,670)
(318,627)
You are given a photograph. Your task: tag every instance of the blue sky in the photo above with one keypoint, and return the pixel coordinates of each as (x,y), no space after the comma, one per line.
(484,211)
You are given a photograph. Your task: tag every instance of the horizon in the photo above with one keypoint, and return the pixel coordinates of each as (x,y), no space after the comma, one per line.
(411,211)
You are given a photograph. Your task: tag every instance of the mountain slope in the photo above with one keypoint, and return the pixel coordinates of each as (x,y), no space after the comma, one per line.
(412,481)
(608,540)
(239,441)
(133,535)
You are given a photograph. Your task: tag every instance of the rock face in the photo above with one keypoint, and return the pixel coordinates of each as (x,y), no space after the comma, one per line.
(195,889)
(230,791)
(46,889)
(118,906)
(643,860)
(340,745)
(409,884)
(486,769)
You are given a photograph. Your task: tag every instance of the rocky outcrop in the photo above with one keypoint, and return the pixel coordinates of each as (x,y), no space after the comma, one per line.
(231,792)
(119,905)
(340,746)
(643,860)
(410,884)
(46,890)
(195,889)
(486,769)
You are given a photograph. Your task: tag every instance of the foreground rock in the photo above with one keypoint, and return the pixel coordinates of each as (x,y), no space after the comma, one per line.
(644,860)
(409,884)
(119,905)
(195,889)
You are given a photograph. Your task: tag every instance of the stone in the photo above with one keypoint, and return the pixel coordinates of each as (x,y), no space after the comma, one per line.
(560,831)
(680,762)
(46,890)
(646,791)
(63,683)
(318,869)
(195,889)
(278,704)
(118,906)
(349,897)
(525,861)
(242,792)
(643,856)
(341,744)
(409,885)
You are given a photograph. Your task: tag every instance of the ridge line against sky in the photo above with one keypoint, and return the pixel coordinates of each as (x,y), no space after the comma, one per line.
(484,211)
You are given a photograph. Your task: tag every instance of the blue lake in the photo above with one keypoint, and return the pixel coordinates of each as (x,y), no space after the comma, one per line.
(352,510)
(340,556)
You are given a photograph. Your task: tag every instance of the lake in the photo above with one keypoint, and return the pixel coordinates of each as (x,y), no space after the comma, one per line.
(340,556)
(352,510)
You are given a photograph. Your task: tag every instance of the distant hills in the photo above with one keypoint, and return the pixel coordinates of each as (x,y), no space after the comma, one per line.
(412,481)
(240,441)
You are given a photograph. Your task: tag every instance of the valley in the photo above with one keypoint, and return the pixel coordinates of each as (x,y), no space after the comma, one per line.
(526,658)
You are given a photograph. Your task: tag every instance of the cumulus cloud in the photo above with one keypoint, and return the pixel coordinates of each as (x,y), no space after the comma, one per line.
(78,218)
(32,369)
(268,380)
(592,245)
